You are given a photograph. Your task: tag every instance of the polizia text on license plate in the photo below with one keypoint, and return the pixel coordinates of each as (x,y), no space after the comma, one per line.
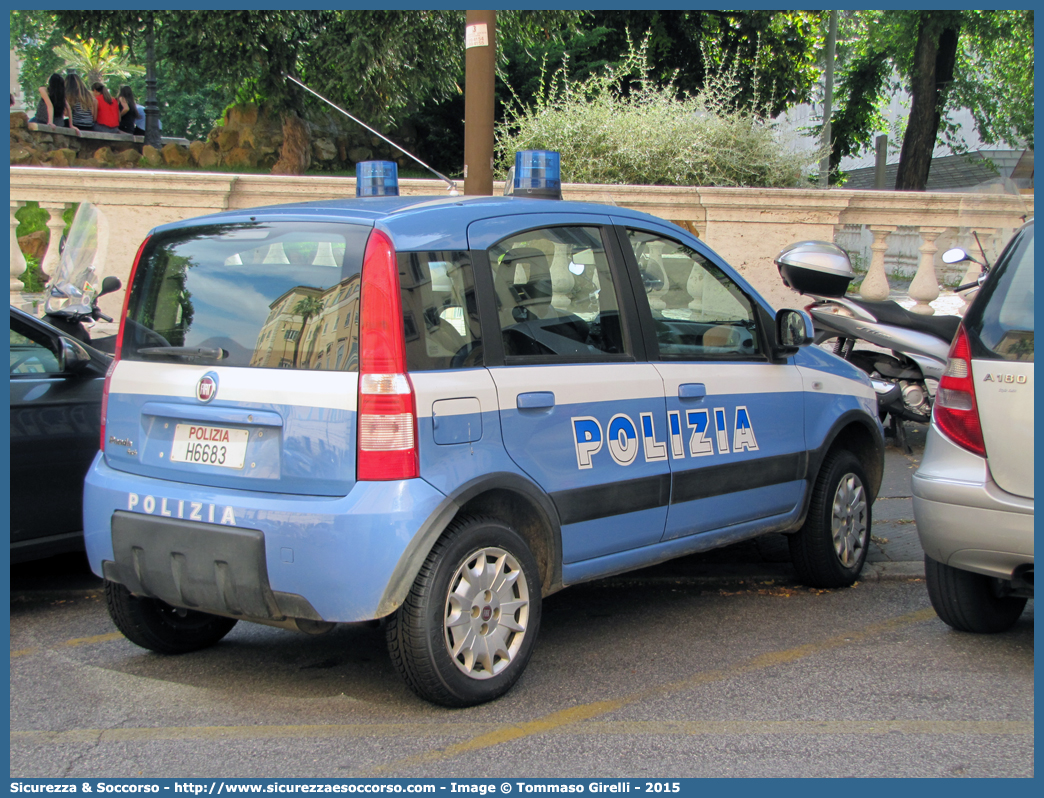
(216,446)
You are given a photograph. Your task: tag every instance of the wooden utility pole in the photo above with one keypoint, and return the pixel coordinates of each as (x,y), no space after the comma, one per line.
(828,101)
(480,55)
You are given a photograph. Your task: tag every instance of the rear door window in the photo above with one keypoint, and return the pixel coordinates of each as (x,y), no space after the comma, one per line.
(1000,322)
(556,296)
(258,295)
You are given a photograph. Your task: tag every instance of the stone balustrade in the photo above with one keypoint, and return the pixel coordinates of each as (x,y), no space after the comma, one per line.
(746,226)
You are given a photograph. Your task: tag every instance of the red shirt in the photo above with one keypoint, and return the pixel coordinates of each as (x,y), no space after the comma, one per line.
(108,113)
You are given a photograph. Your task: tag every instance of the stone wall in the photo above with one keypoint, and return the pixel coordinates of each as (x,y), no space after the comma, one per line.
(747,227)
(48,145)
(249,137)
(252,136)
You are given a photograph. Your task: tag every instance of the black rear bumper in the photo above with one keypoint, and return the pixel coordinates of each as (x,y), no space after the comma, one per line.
(199,566)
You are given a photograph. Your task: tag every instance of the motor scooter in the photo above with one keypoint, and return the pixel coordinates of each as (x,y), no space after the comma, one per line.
(900,350)
(71,297)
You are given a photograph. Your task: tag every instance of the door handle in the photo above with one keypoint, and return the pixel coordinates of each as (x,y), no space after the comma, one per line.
(537,400)
(692,390)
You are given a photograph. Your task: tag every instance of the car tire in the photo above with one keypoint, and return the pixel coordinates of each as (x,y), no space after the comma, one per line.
(970,602)
(830,549)
(465,633)
(157,626)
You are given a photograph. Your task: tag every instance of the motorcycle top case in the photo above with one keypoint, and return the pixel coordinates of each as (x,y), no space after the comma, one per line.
(816,267)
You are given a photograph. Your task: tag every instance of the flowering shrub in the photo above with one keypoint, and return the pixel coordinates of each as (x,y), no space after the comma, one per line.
(619,127)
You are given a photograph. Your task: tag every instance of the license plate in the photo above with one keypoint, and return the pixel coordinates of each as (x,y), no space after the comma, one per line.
(215,446)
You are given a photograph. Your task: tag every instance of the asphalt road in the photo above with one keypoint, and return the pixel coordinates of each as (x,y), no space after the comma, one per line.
(717,665)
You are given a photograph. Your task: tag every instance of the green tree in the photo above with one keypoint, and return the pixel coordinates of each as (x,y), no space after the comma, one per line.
(380,63)
(772,53)
(189,104)
(97,61)
(34,37)
(946,60)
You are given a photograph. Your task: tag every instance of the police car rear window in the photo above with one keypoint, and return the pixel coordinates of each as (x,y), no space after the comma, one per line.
(258,295)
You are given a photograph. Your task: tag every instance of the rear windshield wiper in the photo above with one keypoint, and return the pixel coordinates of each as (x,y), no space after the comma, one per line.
(185,351)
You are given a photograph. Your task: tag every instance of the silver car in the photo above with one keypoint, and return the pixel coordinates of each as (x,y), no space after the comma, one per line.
(973,494)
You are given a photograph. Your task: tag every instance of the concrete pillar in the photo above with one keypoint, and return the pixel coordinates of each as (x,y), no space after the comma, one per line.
(562,280)
(875,284)
(656,269)
(925,285)
(55,224)
(17,258)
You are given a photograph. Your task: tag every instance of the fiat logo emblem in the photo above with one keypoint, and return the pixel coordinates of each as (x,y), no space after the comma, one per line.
(206,388)
(487,613)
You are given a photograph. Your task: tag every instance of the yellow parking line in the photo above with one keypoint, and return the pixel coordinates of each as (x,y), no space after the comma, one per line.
(214,733)
(578,720)
(789,727)
(486,731)
(108,637)
(572,715)
(86,641)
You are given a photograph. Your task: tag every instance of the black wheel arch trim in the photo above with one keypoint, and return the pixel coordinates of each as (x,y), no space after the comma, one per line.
(413,558)
(874,470)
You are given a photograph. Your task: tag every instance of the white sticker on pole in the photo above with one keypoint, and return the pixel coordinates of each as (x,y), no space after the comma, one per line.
(476,36)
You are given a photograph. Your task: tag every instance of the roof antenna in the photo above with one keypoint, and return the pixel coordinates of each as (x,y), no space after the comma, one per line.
(452,186)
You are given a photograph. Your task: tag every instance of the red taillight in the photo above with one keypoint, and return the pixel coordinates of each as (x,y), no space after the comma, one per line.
(119,342)
(956,412)
(387,435)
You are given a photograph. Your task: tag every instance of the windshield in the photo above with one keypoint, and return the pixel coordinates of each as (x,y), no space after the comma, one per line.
(75,286)
(259,294)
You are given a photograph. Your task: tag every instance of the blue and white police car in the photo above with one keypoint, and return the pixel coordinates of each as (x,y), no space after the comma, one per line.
(438,410)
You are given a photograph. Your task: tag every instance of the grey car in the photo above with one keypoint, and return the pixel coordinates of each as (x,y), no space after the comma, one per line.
(973,494)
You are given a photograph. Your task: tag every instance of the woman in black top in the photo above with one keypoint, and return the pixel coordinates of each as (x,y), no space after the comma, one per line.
(52,108)
(128,111)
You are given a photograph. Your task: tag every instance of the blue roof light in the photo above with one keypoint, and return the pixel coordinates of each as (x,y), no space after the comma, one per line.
(376,179)
(538,173)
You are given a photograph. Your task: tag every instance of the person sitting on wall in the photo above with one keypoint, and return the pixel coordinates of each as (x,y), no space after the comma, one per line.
(140,121)
(81,101)
(53,108)
(129,112)
(107,118)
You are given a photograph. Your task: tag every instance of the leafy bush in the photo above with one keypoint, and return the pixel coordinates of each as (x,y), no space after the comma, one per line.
(31,278)
(619,127)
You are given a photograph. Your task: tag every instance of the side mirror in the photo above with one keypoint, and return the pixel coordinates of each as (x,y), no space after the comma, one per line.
(794,329)
(72,358)
(956,255)
(109,285)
